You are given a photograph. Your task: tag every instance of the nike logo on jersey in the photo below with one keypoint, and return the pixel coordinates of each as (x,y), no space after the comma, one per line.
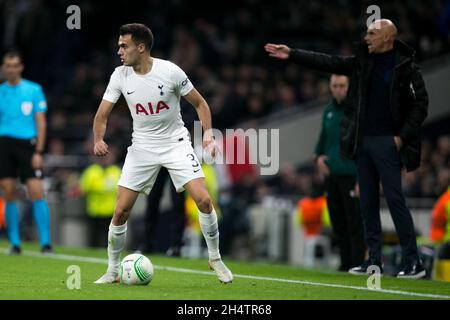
(130,92)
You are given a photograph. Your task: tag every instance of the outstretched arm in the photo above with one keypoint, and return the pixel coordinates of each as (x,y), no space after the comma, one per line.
(100,121)
(278,51)
(314,60)
(204,114)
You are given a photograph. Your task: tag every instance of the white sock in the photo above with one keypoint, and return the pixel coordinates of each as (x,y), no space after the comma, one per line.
(210,230)
(116,243)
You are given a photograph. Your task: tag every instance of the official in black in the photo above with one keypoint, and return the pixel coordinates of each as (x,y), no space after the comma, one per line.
(340,180)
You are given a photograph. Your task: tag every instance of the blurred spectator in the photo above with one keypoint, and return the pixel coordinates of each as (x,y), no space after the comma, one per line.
(443,147)
(443,180)
(433,177)
(221,52)
(312,215)
(231,36)
(286,98)
(440,219)
(56,147)
(411,184)
(286,181)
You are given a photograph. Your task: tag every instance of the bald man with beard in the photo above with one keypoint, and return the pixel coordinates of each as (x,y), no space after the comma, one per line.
(386,106)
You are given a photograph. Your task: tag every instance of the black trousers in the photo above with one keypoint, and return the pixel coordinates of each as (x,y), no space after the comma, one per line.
(379,160)
(98,230)
(178,219)
(346,220)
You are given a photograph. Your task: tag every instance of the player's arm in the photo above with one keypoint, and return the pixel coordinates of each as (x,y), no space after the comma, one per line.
(204,114)
(314,60)
(99,128)
(41,126)
(40,108)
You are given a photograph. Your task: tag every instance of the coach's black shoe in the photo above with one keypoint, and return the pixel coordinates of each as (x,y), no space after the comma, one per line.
(412,271)
(15,250)
(174,251)
(364,269)
(47,249)
(343,268)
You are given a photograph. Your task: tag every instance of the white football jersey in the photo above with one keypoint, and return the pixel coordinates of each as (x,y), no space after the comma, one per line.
(153,100)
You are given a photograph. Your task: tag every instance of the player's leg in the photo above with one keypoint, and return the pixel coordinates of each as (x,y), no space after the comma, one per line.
(117,232)
(8,175)
(139,173)
(207,215)
(186,174)
(209,226)
(41,212)
(24,151)
(8,186)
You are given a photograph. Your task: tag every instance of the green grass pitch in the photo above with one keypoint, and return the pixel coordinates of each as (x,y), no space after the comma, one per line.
(34,276)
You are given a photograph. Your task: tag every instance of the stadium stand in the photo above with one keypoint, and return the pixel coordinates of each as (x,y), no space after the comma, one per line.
(222,52)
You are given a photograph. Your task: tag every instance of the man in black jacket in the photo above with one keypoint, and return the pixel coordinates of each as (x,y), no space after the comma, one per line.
(387,104)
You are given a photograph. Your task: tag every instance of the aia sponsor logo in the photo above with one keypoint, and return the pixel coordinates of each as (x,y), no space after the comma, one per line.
(150,110)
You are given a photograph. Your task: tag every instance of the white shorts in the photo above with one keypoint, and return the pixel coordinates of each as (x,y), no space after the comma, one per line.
(142,165)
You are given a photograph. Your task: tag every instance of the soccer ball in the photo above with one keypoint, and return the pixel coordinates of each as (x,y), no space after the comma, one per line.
(136,269)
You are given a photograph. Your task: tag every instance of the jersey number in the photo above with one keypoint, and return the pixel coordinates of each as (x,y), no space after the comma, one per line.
(194,162)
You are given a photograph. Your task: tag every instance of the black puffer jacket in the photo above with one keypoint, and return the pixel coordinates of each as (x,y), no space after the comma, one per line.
(409,98)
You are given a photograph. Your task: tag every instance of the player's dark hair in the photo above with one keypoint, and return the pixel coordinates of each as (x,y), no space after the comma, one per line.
(13,53)
(139,33)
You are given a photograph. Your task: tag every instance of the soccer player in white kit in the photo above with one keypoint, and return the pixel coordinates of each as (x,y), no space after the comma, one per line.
(152,88)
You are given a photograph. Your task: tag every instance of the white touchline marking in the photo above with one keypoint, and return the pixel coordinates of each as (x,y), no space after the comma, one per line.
(58,256)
